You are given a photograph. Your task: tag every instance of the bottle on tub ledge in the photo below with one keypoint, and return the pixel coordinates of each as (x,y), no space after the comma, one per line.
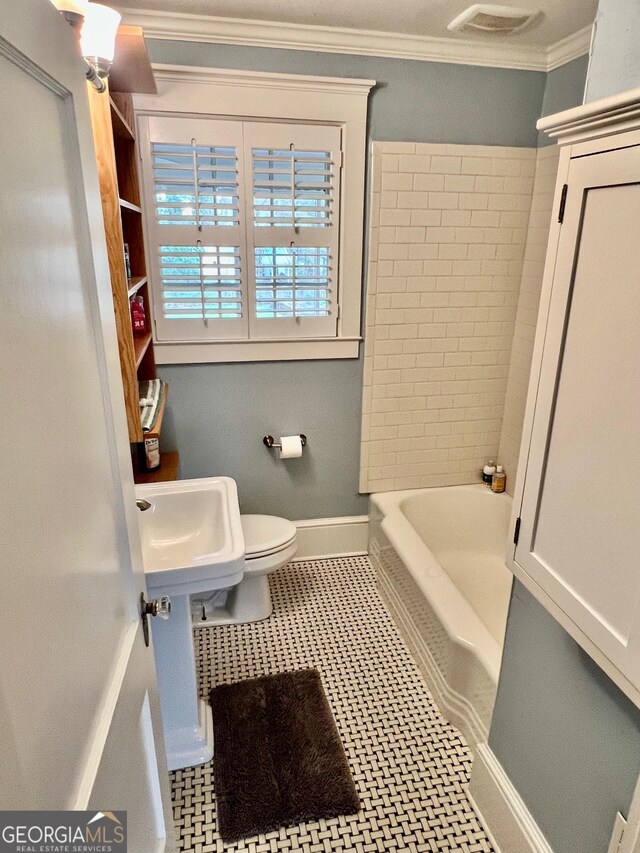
(488,471)
(499,480)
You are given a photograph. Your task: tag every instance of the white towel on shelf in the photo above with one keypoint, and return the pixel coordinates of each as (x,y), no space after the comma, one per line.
(151,391)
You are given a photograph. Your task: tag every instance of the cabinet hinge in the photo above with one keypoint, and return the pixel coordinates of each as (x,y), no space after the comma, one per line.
(563,202)
(516,532)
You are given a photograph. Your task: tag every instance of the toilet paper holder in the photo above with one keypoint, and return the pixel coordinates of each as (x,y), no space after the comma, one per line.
(269,441)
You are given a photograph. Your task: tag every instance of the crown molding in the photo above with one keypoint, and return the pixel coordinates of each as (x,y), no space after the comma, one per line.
(176,26)
(262,79)
(616,114)
(569,48)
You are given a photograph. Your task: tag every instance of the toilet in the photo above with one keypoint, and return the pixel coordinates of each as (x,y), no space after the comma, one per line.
(269,542)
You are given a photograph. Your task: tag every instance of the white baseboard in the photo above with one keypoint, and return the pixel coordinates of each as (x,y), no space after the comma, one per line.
(332,537)
(501,809)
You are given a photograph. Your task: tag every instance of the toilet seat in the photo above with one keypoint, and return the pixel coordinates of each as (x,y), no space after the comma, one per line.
(258,554)
(265,535)
(266,564)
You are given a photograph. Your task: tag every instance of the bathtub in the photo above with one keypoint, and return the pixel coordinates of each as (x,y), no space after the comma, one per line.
(439,556)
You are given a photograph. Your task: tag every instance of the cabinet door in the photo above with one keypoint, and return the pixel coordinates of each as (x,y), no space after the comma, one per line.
(580,517)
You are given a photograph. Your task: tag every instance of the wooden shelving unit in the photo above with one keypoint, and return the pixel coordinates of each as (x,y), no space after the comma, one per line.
(135,283)
(140,346)
(129,206)
(113,123)
(120,125)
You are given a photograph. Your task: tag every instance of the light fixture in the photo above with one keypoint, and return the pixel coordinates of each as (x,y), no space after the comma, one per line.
(73,10)
(97,26)
(98,38)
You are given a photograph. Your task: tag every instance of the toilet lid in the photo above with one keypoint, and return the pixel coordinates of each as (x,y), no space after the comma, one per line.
(249,558)
(266,534)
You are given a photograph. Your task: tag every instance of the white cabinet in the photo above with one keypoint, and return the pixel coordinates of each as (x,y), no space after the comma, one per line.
(577,504)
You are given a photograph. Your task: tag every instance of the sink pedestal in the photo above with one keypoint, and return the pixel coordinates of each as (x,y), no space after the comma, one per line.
(187,720)
(192,542)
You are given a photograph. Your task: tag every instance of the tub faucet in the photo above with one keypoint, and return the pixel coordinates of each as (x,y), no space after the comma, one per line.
(142,504)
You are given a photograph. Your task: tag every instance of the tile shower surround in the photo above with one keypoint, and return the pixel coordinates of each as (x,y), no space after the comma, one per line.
(446,246)
(527,313)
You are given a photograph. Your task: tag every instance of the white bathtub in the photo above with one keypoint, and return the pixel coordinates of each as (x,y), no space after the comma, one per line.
(439,556)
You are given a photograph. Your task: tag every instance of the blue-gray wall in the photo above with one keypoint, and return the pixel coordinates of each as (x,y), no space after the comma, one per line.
(615,61)
(564,89)
(413,101)
(567,737)
(219,412)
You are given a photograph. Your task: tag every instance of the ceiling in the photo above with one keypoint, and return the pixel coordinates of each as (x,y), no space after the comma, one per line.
(422,18)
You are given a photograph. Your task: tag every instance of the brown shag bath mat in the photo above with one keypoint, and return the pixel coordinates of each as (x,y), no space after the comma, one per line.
(278,759)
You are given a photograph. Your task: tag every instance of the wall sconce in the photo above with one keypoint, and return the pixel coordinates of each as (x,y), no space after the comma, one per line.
(97,26)
(98,39)
(74,11)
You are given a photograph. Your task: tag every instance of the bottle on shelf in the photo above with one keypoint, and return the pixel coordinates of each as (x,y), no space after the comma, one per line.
(150,459)
(488,471)
(499,480)
(127,261)
(138,316)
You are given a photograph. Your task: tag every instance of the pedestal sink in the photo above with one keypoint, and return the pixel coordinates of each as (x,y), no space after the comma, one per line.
(191,542)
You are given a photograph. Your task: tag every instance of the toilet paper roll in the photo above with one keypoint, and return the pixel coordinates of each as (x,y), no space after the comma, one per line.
(291,447)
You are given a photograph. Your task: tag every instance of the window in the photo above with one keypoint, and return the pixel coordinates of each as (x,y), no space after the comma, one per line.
(243,222)
(196,229)
(253,236)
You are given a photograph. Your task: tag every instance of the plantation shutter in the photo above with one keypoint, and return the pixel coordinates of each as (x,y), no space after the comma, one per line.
(196,230)
(292,216)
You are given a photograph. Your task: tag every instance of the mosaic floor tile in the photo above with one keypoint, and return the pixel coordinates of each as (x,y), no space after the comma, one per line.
(409,765)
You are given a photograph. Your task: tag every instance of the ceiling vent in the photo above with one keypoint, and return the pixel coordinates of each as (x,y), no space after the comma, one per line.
(487,19)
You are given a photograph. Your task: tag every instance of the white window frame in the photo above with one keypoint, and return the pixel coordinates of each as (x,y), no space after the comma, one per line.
(197,92)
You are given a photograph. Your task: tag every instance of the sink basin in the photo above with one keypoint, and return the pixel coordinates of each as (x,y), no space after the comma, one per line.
(191,536)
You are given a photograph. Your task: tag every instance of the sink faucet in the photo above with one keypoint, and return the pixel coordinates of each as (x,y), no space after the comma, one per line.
(142,504)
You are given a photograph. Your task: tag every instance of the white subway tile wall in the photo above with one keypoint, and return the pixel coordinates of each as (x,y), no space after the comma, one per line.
(446,245)
(527,312)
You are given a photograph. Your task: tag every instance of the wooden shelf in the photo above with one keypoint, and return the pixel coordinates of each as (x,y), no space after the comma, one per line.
(168,470)
(131,70)
(119,123)
(126,205)
(114,131)
(135,284)
(155,432)
(140,346)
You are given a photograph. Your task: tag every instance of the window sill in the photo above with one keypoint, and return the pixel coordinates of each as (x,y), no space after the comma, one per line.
(229,351)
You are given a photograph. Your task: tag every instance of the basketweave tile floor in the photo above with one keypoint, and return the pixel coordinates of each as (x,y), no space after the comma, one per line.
(409,765)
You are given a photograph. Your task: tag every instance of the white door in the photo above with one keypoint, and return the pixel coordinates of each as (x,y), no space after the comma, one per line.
(79,715)
(580,515)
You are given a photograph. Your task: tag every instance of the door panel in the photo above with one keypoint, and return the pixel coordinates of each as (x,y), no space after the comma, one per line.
(580,520)
(62,520)
(71,645)
(129,755)
(593,392)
